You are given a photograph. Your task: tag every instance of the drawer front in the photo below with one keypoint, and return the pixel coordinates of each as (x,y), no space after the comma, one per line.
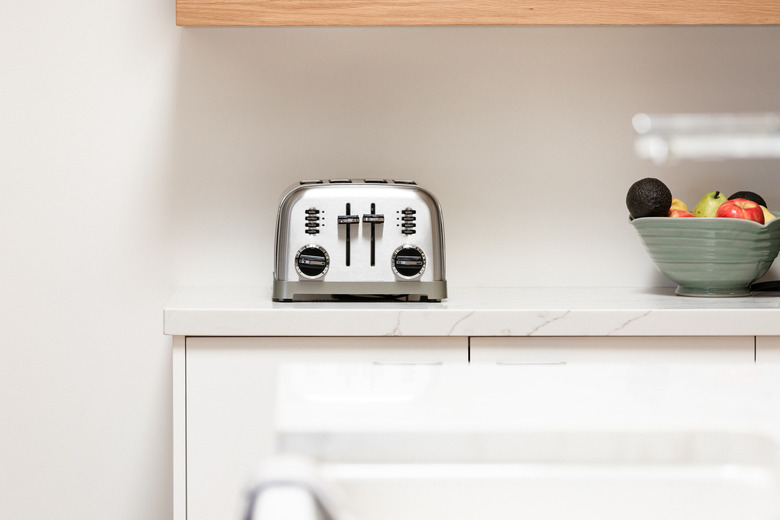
(661,349)
(767,349)
(230,391)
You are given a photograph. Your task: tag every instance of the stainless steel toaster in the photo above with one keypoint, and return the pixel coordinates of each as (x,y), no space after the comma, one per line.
(359,238)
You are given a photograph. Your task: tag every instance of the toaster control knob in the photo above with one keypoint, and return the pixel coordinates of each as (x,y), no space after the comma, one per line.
(408,261)
(312,261)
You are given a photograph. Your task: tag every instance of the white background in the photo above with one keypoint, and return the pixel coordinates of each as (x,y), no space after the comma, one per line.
(137,156)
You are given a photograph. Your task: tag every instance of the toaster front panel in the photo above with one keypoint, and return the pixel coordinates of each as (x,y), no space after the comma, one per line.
(359,232)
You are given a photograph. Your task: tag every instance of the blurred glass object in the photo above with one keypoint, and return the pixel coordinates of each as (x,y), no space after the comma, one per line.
(664,138)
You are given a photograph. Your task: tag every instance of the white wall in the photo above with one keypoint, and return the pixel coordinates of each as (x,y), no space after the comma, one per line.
(136,156)
(523,133)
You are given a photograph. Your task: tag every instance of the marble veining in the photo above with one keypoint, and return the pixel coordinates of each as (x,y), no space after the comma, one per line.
(630,321)
(544,324)
(464,318)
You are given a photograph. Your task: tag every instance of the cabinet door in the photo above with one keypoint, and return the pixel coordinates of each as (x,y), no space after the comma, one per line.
(230,389)
(767,349)
(660,349)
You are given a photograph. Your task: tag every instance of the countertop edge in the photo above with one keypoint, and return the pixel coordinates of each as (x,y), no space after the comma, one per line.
(475,312)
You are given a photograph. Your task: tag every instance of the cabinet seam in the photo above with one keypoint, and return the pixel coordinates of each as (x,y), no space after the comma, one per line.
(186,433)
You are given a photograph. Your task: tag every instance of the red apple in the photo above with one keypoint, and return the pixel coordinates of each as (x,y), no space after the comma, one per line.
(741,208)
(675,212)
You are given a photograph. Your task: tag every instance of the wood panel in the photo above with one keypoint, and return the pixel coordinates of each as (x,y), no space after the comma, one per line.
(476,12)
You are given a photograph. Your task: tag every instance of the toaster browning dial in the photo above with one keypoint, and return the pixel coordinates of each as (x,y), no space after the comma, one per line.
(408,261)
(312,261)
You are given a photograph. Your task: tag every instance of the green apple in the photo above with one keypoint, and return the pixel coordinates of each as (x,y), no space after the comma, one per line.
(709,204)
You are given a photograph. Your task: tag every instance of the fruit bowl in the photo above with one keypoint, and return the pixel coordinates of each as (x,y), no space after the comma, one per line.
(711,257)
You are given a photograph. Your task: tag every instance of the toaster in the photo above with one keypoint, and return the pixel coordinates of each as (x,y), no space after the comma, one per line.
(360,239)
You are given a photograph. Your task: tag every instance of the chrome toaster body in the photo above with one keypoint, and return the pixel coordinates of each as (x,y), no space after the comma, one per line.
(344,238)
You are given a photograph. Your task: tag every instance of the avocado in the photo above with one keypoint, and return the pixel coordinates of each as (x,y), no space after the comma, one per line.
(749,195)
(648,197)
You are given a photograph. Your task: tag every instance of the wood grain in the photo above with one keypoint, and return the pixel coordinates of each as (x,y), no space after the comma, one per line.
(476,12)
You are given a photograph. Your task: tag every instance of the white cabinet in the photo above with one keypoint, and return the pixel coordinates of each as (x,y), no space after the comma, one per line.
(767,349)
(230,387)
(640,349)
(224,389)
(228,344)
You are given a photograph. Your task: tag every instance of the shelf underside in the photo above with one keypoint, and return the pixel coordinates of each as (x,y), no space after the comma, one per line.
(474,12)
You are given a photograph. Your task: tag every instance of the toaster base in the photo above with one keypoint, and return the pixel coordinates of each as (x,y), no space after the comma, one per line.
(290,291)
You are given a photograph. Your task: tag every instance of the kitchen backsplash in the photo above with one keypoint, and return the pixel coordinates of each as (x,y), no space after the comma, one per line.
(523,133)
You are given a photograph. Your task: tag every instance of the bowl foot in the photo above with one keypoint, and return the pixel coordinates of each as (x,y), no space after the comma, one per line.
(710,292)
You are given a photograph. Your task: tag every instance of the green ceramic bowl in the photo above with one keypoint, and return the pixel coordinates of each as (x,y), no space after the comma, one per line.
(710,256)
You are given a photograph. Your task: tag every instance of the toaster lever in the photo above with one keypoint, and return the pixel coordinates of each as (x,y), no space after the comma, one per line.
(346,220)
(373,218)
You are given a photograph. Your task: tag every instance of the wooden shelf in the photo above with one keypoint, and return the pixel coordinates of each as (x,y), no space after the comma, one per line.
(475,12)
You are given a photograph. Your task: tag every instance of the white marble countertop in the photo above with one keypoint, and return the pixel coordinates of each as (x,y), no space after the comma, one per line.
(476,312)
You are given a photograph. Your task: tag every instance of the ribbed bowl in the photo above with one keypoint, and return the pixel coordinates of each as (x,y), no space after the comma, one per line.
(710,256)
